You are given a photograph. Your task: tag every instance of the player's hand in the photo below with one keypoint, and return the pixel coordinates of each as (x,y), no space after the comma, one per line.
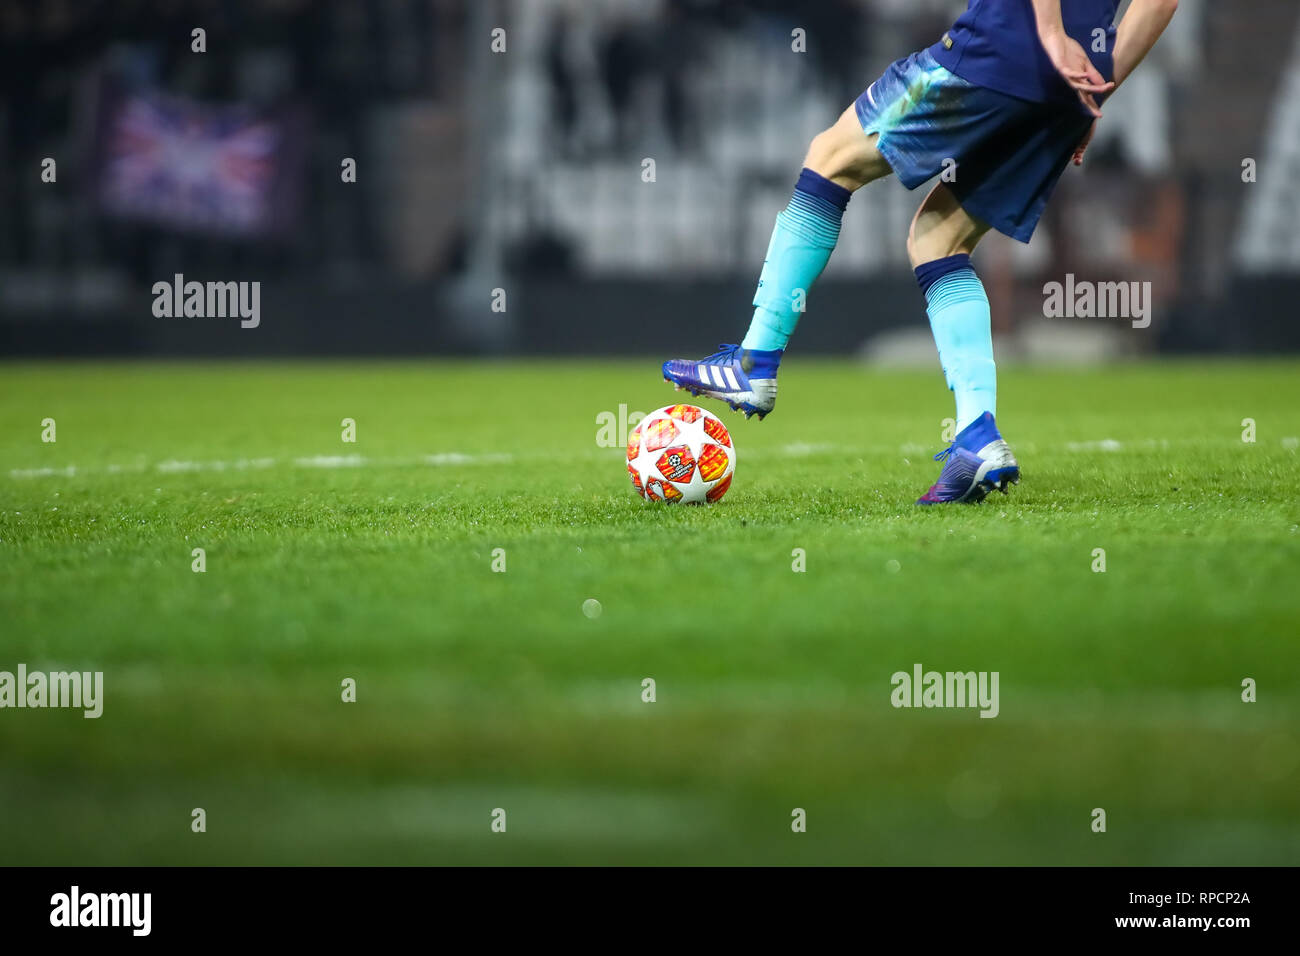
(1083,144)
(1076,69)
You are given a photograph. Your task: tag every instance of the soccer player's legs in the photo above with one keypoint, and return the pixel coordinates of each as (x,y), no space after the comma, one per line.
(840,160)
(939,243)
(911,121)
(1003,182)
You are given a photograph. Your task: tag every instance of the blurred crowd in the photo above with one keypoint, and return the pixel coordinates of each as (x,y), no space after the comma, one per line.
(612,56)
(519,157)
(331,61)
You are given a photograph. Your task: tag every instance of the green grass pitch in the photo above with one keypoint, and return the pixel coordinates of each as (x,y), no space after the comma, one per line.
(479,690)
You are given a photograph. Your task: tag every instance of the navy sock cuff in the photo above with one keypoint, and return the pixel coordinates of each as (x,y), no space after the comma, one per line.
(928,273)
(818,185)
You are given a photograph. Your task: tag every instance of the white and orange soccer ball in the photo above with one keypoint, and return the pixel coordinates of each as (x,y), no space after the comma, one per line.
(681,454)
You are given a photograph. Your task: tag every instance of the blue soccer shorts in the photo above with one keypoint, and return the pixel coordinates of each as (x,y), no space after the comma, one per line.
(1008,152)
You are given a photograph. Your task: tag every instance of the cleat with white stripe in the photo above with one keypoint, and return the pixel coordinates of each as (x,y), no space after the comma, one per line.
(743,378)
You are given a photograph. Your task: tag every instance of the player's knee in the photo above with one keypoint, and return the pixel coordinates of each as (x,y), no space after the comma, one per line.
(841,158)
(928,245)
(824,157)
(941,229)
(921,246)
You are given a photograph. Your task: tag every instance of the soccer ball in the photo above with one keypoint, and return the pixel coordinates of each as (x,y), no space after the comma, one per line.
(681,454)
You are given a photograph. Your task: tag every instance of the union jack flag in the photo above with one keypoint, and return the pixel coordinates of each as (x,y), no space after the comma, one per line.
(191,166)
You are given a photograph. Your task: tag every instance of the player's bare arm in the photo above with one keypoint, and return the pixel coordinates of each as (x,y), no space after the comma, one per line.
(1137,33)
(1069,58)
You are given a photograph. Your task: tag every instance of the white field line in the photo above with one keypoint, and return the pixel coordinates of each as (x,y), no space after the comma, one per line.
(443,459)
(172,466)
(1289,443)
(1105,444)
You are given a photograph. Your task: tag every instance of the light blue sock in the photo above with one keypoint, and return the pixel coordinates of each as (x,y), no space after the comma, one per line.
(960,321)
(802,241)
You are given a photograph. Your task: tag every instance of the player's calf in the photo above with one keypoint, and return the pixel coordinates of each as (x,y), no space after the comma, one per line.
(840,159)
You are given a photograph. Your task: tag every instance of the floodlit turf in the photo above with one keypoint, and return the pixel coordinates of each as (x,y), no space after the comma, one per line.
(479,690)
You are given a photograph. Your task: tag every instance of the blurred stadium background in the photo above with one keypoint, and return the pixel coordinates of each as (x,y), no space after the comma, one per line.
(480,170)
(522,171)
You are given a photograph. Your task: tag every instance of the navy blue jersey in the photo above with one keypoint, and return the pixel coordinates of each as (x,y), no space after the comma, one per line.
(994,44)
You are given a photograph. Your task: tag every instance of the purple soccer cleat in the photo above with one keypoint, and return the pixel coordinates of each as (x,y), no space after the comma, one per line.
(977,462)
(743,378)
